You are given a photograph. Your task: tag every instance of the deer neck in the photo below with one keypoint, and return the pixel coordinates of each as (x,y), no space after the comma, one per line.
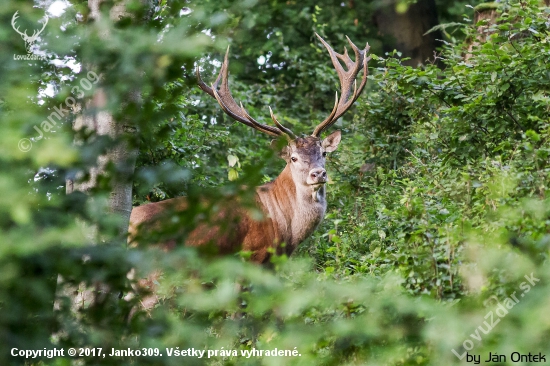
(295,209)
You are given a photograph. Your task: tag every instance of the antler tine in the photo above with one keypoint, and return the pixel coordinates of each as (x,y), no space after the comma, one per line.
(13,19)
(37,32)
(251,123)
(259,126)
(230,107)
(348,82)
(44,24)
(333,55)
(345,57)
(286,131)
(321,126)
(222,72)
(363,64)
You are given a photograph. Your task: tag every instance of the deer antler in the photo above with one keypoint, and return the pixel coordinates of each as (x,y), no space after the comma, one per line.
(237,112)
(13,19)
(36,33)
(28,40)
(347,81)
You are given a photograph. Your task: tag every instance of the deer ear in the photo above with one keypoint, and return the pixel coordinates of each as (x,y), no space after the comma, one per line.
(330,143)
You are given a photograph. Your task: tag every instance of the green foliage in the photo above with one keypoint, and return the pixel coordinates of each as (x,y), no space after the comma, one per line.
(445,152)
(438,202)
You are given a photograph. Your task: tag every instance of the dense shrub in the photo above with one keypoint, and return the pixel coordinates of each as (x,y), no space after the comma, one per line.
(438,205)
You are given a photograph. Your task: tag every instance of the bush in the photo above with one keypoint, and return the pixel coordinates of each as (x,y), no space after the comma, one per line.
(438,213)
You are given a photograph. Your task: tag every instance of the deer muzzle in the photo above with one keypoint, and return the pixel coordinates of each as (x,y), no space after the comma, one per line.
(317,176)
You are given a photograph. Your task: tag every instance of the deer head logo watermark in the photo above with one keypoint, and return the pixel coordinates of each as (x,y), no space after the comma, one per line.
(29,40)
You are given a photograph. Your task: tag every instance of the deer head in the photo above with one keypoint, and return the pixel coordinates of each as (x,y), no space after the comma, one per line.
(305,156)
(29,40)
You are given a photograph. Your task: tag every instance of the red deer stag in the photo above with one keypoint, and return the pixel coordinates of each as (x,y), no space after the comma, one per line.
(294,203)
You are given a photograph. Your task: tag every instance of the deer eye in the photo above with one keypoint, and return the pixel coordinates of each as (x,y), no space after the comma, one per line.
(324,154)
(294,159)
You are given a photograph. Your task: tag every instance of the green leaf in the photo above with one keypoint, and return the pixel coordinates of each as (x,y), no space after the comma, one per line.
(233,174)
(232,160)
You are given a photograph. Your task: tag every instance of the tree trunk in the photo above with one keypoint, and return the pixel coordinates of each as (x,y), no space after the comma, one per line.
(405,31)
(490,13)
(102,122)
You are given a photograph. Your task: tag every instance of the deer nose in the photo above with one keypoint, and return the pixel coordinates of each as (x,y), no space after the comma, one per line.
(317,175)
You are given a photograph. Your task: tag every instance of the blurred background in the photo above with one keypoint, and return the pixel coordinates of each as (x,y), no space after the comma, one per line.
(437,195)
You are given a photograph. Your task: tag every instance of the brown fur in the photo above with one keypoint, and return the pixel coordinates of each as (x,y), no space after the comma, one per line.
(233,228)
(293,205)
